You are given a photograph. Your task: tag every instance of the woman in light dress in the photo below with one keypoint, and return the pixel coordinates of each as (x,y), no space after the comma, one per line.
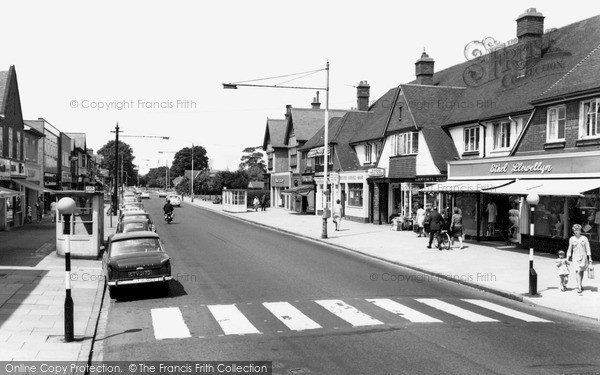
(579,249)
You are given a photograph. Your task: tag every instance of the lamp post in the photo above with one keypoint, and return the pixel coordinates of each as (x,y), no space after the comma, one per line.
(167,183)
(532,199)
(66,207)
(234,85)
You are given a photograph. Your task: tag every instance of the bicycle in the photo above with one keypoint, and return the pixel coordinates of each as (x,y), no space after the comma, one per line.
(444,236)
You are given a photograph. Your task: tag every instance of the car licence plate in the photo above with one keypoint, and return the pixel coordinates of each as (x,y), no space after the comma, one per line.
(140,273)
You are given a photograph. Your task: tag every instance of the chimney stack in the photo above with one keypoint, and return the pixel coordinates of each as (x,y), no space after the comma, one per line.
(424,69)
(288,110)
(363,91)
(530,29)
(316,104)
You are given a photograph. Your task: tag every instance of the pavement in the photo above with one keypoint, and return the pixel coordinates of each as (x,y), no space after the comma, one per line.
(32,277)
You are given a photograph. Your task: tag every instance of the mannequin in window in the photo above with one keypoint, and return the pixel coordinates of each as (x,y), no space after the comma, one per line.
(492,212)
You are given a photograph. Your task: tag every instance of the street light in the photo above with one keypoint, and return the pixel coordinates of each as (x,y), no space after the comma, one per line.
(66,207)
(234,85)
(167,168)
(532,199)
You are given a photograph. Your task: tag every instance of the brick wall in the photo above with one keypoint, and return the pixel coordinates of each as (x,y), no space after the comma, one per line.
(403,166)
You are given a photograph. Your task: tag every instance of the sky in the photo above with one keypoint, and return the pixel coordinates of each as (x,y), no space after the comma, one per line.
(157,68)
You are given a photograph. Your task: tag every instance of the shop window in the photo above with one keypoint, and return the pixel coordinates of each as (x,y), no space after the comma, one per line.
(355,195)
(586,212)
(555,130)
(471,139)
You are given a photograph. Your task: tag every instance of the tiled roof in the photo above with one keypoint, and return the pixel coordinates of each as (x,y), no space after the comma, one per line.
(307,121)
(3,92)
(490,94)
(341,130)
(376,126)
(582,77)
(275,132)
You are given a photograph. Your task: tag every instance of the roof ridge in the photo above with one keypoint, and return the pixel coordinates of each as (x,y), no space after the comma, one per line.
(432,86)
(572,69)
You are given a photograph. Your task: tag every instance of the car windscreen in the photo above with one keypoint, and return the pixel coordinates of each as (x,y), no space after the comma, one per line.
(134,226)
(135,245)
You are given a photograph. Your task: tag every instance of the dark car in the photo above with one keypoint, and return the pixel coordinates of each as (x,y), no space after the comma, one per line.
(136,258)
(130,224)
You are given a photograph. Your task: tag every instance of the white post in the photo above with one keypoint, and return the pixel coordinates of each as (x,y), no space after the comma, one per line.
(325,156)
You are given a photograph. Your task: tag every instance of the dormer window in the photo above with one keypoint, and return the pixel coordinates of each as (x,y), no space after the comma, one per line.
(368,152)
(405,143)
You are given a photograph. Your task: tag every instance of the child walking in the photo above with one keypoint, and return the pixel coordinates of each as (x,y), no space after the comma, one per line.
(563,270)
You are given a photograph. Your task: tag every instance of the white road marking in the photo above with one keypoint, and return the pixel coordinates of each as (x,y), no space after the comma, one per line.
(168,323)
(506,311)
(403,311)
(293,318)
(348,313)
(455,310)
(231,320)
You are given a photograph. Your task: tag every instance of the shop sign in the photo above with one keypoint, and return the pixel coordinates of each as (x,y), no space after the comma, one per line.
(376,172)
(430,179)
(519,167)
(334,178)
(352,178)
(280,181)
(4,167)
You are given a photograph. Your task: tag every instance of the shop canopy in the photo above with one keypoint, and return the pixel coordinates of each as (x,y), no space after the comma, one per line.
(558,187)
(301,190)
(465,186)
(34,186)
(6,193)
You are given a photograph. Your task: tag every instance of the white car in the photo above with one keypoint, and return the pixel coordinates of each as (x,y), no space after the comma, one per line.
(162,194)
(175,200)
(145,195)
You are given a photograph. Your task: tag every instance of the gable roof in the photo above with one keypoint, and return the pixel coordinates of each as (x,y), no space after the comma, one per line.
(381,111)
(79,140)
(307,121)
(3,89)
(584,76)
(274,133)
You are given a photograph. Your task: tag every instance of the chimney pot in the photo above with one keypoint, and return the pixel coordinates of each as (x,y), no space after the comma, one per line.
(316,104)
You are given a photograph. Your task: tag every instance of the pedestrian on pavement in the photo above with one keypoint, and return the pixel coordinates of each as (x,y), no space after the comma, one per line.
(456,226)
(580,254)
(337,214)
(38,211)
(563,270)
(255,202)
(263,202)
(421,220)
(427,221)
(29,218)
(53,211)
(435,225)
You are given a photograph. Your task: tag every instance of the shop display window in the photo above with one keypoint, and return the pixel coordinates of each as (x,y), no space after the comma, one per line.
(355,195)
(586,212)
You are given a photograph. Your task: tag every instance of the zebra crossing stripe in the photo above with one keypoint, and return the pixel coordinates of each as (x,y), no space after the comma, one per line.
(404,311)
(506,311)
(348,313)
(455,310)
(168,323)
(231,320)
(293,318)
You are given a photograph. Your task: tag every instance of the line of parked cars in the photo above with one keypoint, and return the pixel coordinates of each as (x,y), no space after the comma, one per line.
(135,253)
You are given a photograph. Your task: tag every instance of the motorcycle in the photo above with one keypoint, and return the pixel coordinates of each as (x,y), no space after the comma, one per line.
(169,217)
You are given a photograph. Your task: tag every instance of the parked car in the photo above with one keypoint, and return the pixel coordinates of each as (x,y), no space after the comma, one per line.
(132,206)
(134,224)
(138,214)
(145,195)
(162,194)
(136,258)
(175,199)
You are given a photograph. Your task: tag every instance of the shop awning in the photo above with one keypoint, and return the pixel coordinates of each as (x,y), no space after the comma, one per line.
(34,186)
(464,186)
(301,190)
(558,187)
(5,193)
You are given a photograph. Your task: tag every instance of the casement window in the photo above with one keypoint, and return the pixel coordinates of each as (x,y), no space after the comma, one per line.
(355,195)
(1,141)
(10,142)
(555,128)
(293,156)
(405,143)
(589,124)
(368,150)
(501,135)
(472,139)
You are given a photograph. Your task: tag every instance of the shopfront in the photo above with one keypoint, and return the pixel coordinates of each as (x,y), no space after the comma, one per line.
(352,190)
(568,186)
(279,182)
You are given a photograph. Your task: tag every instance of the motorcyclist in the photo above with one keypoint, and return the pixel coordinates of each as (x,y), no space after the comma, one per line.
(168,208)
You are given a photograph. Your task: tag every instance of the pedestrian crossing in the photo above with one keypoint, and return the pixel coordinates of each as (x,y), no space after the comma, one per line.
(231,319)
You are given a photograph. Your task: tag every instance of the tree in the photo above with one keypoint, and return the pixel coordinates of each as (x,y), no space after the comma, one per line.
(183,160)
(156,177)
(124,164)
(253,163)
